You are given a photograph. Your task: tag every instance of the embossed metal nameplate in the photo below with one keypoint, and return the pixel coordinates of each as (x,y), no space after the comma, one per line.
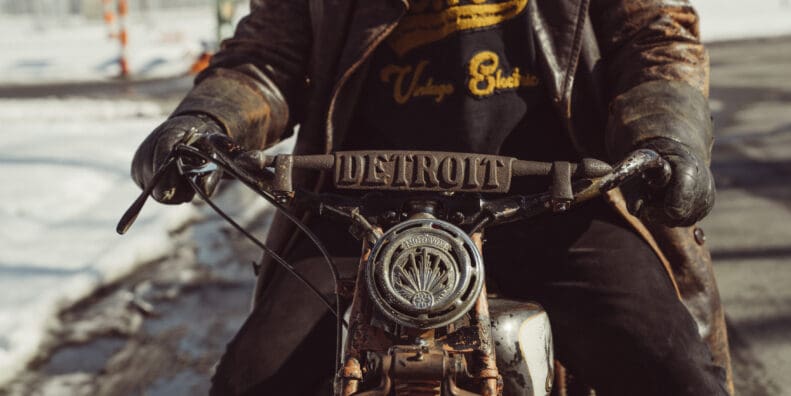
(422,171)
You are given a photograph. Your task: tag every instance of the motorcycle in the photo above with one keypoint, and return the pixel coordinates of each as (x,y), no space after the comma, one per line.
(417,319)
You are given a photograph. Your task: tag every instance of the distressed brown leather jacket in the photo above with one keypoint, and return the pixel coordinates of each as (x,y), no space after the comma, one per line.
(618,72)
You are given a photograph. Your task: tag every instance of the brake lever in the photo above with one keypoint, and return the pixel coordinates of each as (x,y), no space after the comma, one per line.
(131,214)
(192,139)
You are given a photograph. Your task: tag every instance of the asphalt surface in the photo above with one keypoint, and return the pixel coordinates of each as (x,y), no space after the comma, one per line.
(749,231)
(157,89)
(161,330)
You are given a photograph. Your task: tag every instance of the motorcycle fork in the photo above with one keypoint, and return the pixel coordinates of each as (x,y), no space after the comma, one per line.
(363,337)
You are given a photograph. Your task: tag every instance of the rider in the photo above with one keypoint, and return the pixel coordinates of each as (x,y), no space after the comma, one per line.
(542,80)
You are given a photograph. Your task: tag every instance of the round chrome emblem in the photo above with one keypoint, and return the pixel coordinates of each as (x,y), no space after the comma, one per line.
(424,273)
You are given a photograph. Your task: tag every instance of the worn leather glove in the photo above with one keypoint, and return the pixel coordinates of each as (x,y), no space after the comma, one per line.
(689,196)
(172,188)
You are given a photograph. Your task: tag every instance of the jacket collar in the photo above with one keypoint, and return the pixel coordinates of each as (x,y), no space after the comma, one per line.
(559,27)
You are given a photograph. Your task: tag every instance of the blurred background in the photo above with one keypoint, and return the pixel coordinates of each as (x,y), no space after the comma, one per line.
(84,311)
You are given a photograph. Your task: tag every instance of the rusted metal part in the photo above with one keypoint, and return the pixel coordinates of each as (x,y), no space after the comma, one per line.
(426,370)
(418,388)
(374,339)
(428,365)
(351,374)
(463,340)
(385,384)
(419,363)
(454,390)
(359,326)
(352,369)
(486,362)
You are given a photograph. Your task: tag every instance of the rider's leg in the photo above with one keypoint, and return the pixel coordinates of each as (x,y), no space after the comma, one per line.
(617,321)
(287,344)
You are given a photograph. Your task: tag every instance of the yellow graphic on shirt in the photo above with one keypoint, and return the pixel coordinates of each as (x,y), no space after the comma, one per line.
(433,20)
(408,84)
(486,76)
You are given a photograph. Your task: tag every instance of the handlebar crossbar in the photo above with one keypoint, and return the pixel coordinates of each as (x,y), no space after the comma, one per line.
(418,170)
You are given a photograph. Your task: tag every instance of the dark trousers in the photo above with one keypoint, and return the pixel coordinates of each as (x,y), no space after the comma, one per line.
(617,322)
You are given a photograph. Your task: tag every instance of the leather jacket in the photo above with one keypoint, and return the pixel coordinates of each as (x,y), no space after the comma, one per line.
(303,62)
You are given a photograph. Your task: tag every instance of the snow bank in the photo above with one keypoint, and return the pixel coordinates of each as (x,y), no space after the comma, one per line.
(64,168)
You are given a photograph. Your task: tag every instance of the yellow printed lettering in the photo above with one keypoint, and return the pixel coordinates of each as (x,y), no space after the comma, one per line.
(486,77)
(404,91)
(482,66)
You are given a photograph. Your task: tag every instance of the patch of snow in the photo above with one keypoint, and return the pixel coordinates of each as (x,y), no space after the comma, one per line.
(734,20)
(65,178)
(64,168)
(164,44)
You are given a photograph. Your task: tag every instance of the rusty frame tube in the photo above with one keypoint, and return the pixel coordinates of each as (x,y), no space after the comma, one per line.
(485,359)
(359,321)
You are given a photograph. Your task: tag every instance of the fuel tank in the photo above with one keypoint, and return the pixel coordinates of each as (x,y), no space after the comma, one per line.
(523,343)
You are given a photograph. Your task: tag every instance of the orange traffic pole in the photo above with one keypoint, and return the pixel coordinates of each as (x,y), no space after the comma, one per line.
(123,37)
(108,14)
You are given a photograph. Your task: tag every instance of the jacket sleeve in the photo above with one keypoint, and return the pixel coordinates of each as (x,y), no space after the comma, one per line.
(657,73)
(255,85)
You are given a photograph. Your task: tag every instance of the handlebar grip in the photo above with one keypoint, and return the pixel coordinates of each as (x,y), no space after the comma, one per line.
(659,177)
(637,163)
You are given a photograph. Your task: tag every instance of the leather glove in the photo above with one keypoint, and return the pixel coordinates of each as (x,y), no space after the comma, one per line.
(172,188)
(689,196)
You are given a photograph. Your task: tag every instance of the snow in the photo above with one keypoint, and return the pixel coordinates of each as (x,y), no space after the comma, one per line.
(732,20)
(77,49)
(64,168)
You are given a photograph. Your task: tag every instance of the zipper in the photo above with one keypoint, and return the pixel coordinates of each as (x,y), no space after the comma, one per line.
(350,71)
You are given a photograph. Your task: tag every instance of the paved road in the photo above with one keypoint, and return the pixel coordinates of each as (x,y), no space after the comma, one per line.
(161,88)
(750,229)
(749,232)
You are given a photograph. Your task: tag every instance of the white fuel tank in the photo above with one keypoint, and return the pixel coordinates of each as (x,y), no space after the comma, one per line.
(523,343)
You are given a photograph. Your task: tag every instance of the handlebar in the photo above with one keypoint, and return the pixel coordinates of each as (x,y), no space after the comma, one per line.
(414,171)
(417,171)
